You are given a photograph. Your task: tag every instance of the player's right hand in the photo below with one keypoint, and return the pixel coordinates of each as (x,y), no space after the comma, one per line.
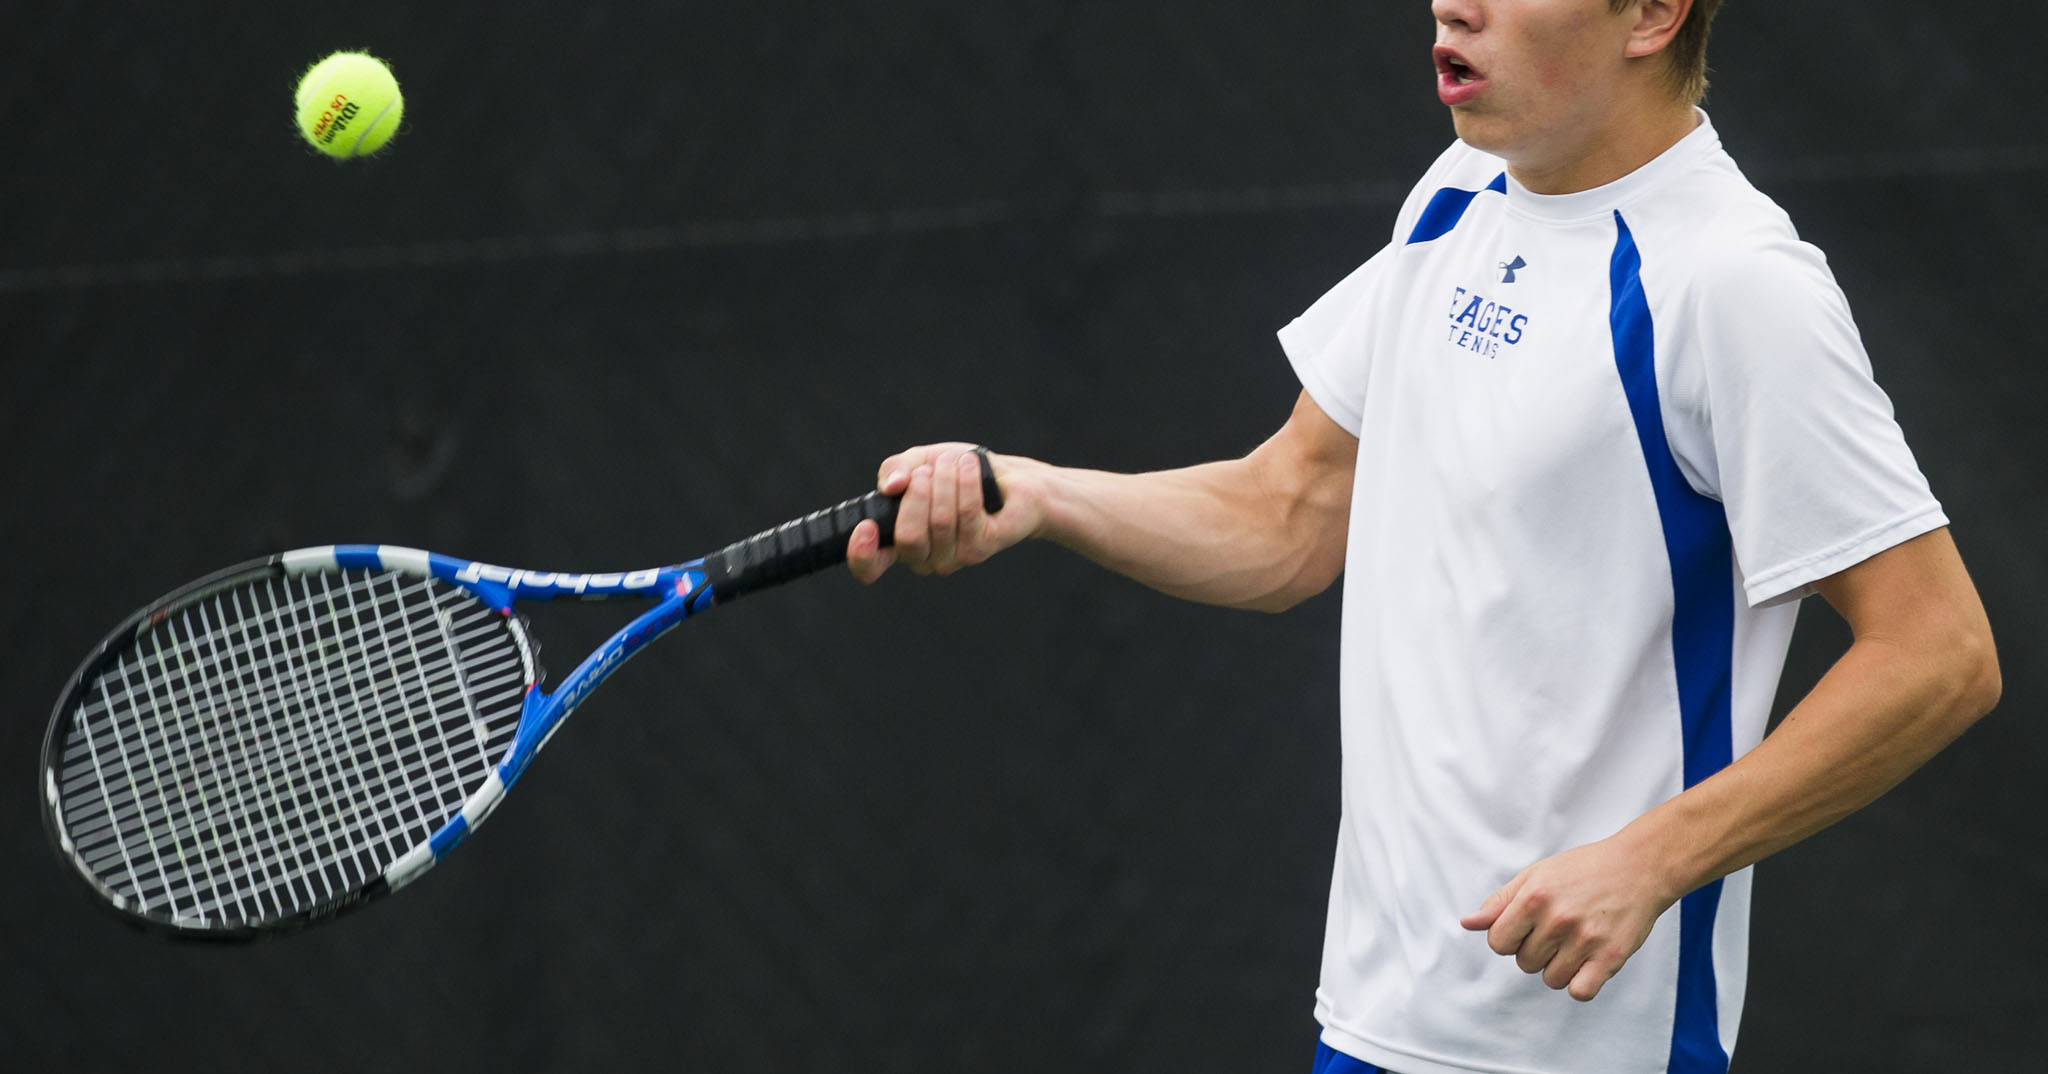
(941,522)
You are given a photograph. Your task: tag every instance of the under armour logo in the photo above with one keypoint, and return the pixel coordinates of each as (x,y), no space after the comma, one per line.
(1509,268)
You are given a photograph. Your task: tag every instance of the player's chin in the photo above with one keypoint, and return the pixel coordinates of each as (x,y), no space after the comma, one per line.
(1481,130)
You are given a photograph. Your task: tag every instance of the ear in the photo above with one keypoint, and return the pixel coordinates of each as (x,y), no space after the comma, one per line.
(1657,22)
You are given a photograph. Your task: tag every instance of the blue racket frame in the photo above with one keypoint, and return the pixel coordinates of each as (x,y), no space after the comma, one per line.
(679,591)
(795,549)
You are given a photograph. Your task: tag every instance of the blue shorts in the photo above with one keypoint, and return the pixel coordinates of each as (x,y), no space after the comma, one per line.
(1331,1061)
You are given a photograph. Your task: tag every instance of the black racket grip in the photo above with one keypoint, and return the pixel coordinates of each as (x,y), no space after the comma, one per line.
(814,542)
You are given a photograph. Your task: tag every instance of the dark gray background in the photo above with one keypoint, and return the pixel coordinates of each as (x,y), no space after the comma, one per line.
(636,279)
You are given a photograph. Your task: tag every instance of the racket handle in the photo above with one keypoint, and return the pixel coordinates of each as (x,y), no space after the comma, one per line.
(814,542)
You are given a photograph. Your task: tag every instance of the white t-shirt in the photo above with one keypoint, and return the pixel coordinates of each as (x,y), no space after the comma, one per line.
(1606,440)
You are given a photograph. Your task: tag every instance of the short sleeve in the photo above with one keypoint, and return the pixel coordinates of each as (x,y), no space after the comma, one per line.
(1780,418)
(1329,345)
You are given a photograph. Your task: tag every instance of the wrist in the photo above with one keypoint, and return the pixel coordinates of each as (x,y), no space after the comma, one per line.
(1664,849)
(1044,492)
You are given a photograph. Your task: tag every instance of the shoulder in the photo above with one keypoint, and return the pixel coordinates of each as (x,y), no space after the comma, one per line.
(1711,233)
(1734,291)
(1458,171)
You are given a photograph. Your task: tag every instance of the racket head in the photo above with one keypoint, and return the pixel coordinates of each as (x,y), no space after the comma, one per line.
(279,742)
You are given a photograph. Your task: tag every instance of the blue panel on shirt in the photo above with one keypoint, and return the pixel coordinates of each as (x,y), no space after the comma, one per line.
(1448,207)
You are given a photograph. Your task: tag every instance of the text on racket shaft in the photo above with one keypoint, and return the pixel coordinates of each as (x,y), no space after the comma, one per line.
(555,581)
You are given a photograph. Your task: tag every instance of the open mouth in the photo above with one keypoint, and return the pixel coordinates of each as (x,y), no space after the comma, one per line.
(1454,69)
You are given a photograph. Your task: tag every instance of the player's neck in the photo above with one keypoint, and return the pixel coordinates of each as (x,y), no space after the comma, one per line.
(1600,156)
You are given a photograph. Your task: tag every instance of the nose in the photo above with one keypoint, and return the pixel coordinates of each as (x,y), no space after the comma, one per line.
(1462,14)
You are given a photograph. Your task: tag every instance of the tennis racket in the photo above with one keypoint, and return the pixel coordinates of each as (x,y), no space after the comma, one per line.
(283,741)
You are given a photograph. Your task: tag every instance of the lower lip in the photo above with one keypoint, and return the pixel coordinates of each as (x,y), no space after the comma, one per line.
(1454,93)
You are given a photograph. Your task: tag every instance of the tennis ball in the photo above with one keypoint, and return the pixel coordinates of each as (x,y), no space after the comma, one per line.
(349,105)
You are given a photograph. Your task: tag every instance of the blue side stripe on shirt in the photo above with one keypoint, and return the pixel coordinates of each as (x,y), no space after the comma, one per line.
(1446,207)
(1702,639)
(1331,1061)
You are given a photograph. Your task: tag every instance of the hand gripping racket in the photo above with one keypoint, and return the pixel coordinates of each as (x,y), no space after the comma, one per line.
(285,740)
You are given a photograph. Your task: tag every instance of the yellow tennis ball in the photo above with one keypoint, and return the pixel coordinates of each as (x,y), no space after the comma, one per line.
(349,105)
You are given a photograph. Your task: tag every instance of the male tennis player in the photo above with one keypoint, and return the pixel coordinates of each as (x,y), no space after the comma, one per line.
(1580,438)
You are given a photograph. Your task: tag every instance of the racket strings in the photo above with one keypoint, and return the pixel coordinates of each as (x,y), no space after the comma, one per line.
(223,741)
(233,739)
(197,790)
(203,693)
(278,744)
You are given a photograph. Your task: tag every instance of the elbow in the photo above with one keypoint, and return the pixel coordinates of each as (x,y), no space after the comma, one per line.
(1972,680)
(1308,581)
(1984,684)
(1281,600)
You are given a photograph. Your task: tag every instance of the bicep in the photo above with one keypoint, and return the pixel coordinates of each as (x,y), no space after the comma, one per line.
(1310,461)
(1305,474)
(1914,587)
(1917,600)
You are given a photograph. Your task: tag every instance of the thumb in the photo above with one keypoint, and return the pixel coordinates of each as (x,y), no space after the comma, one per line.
(1489,911)
(864,553)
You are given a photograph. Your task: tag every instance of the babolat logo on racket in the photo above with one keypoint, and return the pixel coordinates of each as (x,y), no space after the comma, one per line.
(560,583)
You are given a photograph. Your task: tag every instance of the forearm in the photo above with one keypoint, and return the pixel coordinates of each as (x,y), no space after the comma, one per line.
(1238,533)
(1265,531)
(1881,712)
(1921,670)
